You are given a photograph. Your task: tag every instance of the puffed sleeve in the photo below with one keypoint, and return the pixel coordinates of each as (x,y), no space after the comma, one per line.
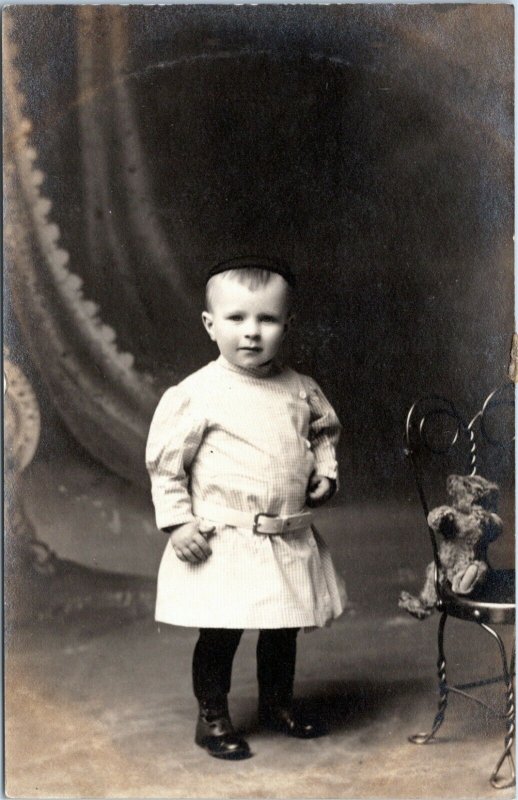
(174,438)
(324,431)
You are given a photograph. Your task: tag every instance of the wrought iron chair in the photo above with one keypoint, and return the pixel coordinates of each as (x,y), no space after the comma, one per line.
(435,428)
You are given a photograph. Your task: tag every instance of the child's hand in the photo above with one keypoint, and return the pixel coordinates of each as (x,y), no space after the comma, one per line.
(320,489)
(189,542)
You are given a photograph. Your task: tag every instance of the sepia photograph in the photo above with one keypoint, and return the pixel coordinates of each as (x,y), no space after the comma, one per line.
(259,387)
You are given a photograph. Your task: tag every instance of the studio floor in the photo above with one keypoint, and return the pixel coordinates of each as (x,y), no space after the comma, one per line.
(99,702)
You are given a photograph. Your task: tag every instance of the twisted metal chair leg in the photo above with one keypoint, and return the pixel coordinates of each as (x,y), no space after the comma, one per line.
(424,738)
(497,780)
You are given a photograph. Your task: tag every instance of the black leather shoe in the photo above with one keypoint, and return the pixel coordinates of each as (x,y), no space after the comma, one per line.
(291,723)
(216,734)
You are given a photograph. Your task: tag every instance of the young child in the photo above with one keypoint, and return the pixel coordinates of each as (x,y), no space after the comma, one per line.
(236,452)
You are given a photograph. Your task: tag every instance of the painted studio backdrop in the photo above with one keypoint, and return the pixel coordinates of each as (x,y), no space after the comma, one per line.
(370,146)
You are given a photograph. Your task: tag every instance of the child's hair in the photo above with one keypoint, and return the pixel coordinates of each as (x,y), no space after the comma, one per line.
(251,277)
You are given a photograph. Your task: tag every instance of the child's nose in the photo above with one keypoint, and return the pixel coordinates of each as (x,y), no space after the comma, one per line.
(252,330)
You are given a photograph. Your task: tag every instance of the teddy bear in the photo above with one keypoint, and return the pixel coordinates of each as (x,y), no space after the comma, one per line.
(468,526)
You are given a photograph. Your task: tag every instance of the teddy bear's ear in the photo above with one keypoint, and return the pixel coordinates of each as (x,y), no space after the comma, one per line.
(454,483)
(489,487)
(489,498)
(483,492)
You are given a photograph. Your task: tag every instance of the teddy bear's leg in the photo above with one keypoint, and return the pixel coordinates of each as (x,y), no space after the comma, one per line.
(464,582)
(428,594)
(422,606)
(413,605)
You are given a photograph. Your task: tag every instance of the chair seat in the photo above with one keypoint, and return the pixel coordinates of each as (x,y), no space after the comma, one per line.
(494,602)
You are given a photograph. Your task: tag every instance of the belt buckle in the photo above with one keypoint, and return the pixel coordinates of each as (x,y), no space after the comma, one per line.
(256,519)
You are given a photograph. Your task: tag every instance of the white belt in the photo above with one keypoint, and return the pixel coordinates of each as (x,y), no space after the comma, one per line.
(259,523)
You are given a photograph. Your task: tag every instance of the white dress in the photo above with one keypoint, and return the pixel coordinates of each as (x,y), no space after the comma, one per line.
(247,442)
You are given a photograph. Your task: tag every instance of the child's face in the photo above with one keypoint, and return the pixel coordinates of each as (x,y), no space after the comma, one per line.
(248,325)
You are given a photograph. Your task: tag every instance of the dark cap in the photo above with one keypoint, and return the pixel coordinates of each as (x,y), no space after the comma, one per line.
(254,262)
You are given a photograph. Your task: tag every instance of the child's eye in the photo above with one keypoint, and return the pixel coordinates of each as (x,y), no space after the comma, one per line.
(235,317)
(268,318)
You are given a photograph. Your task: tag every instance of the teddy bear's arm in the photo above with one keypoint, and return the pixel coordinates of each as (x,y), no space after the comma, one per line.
(444,520)
(493,526)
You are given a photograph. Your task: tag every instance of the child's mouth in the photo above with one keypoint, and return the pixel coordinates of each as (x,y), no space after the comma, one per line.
(252,349)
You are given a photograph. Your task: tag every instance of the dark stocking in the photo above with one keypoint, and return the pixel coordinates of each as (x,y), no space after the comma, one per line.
(276,652)
(212,665)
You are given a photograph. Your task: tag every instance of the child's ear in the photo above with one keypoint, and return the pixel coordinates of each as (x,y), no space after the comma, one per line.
(208,324)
